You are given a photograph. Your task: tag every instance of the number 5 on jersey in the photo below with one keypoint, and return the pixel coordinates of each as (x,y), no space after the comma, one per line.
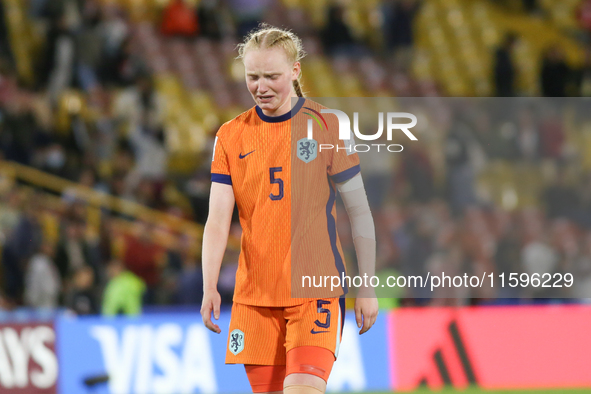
(276,180)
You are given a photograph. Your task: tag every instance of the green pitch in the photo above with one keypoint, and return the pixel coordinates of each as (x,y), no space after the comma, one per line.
(481,391)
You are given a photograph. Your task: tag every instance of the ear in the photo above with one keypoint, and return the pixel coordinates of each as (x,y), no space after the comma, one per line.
(297,69)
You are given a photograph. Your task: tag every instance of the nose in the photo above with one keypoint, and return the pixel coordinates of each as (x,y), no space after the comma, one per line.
(262,87)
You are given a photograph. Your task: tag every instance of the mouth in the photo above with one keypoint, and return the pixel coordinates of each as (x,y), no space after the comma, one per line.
(265,99)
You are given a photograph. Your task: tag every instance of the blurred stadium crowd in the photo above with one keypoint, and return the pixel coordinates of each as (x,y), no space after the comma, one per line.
(123,98)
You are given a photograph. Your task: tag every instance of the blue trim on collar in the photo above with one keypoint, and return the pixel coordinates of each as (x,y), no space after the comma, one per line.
(285,116)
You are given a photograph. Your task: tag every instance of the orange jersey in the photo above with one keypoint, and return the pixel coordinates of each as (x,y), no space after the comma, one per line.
(284,188)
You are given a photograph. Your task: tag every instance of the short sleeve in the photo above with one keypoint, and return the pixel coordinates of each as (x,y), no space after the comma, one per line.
(220,170)
(345,161)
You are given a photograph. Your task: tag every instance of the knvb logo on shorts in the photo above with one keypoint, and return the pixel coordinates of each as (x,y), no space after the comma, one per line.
(236,343)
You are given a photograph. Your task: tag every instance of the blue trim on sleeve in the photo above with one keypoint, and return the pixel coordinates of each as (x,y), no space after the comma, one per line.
(346,175)
(284,117)
(221,178)
(332,234)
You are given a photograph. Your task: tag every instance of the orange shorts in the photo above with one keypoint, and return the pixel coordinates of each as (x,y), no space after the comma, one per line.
(263,335)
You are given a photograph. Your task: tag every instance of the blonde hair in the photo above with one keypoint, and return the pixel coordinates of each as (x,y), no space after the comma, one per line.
(267,36)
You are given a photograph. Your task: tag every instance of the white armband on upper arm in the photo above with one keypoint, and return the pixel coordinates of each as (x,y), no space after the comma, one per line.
(357,206)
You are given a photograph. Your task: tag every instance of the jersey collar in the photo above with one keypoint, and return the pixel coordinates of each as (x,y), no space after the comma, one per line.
(281,118)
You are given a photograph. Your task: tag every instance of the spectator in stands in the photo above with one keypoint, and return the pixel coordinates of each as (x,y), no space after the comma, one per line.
(141,108)
(417,171)
(42,279)
(555,74)
(114,29)
(584,17)
(145,259)
(582,76)
(89,46)
(583,215)
(421,246)
(122,66)
(560,198)
(212,16)
(538,256)
(148,193)
(81,297)
(8,83)
(532,7)
(395,239)
(528,139)
(377,176)
(61,59)
(52,159)
(552,134)
(5,49)
(507,255)
(504,69)
(87,179)
(399,16)
(190,279)
(227,279)
(73,251)
(498,141)
(247,14)
(19,129)
(460,175)
(124,291)
(337,38)
(12,279)
(197,189)
(10,213)
(178,19)
(18,248)
(122,163)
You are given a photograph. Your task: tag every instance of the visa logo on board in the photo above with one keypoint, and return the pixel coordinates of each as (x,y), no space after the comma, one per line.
(156,359)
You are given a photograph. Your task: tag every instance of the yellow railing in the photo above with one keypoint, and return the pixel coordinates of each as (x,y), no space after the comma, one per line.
(102,200)
(98,199)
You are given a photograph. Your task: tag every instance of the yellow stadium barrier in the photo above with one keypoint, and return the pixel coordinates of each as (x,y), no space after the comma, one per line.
(102,200)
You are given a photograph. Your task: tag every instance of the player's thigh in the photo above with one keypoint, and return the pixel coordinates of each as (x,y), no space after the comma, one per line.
(315,330)
(256,336)
(309,366)
(265,378)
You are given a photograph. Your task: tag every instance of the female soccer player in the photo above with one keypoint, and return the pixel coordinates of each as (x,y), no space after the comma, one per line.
(286,344)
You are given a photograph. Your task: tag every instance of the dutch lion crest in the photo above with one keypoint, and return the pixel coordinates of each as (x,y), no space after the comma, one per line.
(307,149)
(236,343)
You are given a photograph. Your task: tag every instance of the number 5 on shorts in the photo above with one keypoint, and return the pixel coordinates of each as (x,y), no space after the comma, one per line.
(320,309)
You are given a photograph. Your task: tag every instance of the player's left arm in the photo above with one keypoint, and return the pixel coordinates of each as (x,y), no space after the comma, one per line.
(363,229)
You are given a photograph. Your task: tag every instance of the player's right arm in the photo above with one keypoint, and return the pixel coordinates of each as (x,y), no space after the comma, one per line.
(215,239)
